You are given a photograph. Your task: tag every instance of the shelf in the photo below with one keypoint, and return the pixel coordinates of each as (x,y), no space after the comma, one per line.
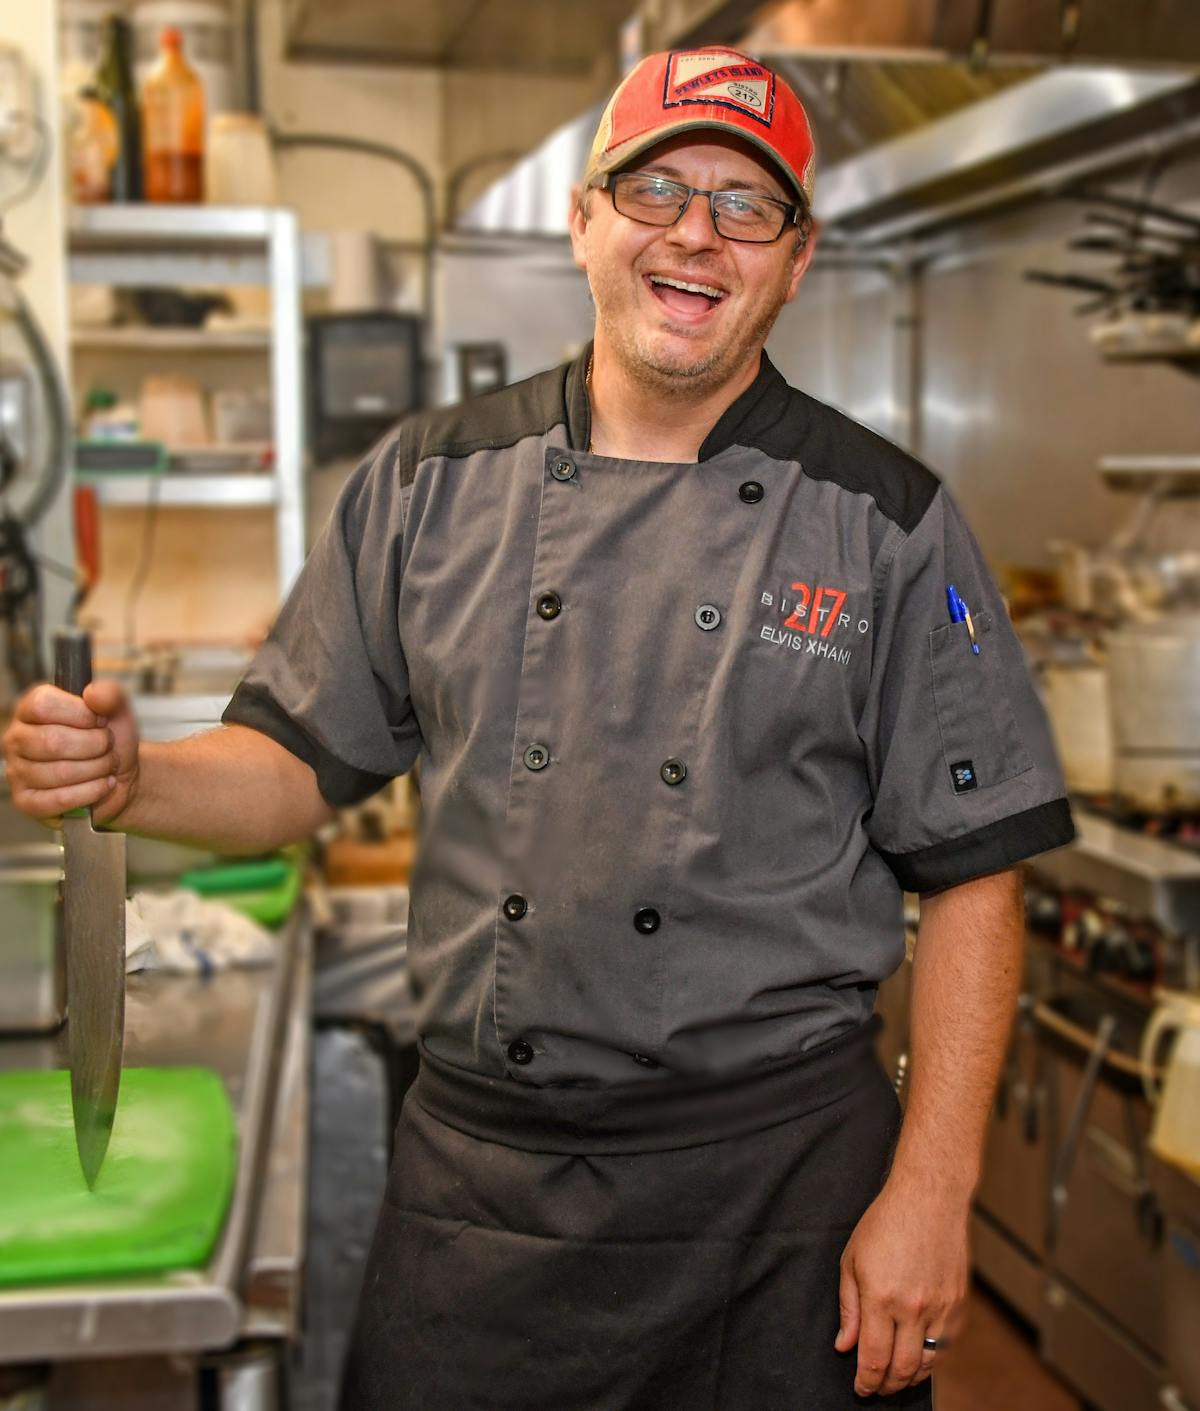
(1170,475)
(183,491)
(171,340)
(154,246)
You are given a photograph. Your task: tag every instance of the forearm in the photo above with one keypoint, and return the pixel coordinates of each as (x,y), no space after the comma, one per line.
(230,790)
(966,976)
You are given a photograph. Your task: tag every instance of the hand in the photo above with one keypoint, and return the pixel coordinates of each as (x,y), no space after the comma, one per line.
(65,752)
(904,1278)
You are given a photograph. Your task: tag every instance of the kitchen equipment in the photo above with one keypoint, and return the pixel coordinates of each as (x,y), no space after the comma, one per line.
(1076,696)
(33,990)
(165,1187)
(93,892)
(1179,1196)
(364,374)
(1154,693)
(1176,1133)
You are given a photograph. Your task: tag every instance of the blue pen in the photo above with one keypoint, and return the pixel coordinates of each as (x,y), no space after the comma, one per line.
(960,612)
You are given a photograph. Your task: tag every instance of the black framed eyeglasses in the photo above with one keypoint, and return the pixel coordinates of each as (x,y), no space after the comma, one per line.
(736,215)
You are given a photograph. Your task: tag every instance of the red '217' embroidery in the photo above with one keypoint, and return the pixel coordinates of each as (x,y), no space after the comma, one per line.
(837,600)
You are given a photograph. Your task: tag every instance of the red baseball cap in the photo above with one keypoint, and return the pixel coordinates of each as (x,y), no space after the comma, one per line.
(715,87)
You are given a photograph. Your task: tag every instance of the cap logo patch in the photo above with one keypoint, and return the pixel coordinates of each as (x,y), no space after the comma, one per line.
(725,79)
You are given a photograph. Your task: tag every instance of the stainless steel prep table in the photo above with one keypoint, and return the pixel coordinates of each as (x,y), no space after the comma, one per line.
(251,1027)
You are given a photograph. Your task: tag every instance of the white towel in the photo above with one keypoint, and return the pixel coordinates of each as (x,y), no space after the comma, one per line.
(181,931)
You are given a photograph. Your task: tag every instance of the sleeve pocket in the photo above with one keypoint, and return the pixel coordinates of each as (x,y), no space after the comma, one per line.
(980,741)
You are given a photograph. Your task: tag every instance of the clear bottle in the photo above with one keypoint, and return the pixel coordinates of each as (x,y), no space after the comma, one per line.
(173,125)
(114,87)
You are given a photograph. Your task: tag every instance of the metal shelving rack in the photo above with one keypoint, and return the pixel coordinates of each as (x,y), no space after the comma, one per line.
(169,246)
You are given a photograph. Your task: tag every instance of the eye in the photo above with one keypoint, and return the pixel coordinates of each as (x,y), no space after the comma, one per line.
(653,188)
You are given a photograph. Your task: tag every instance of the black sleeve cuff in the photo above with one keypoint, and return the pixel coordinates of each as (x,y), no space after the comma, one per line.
(340,783)
(988,849)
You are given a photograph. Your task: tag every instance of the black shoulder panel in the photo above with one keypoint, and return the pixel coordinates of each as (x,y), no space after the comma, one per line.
(838,448)
(490,422)
(789,425)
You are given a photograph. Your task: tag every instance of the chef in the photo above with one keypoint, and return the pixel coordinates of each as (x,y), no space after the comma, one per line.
(702,676)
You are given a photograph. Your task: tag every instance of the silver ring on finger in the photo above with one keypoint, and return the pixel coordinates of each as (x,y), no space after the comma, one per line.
(931,1344)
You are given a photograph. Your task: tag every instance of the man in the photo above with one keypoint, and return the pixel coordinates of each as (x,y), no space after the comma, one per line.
(693,705)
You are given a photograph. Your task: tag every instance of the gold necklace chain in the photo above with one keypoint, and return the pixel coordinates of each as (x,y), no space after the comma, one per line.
(587,383)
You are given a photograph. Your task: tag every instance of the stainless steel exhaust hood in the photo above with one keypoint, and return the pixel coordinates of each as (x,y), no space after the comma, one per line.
(1029,128)
(1026,31)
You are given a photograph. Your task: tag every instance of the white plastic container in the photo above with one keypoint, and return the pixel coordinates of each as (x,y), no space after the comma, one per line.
(240,168)
(1176,1134)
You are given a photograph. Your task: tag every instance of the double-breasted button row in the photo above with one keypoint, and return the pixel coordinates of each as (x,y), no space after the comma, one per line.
(520,1052)
(645,919)
(549,605)
(563,469)
(751,491)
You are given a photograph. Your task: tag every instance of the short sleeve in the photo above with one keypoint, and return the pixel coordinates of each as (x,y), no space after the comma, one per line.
(330,682)
(961,759)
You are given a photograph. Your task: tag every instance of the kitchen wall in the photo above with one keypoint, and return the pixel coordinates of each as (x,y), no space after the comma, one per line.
(1015,408)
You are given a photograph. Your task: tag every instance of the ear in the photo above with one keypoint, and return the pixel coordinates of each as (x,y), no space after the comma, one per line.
(801,260)
(577,224)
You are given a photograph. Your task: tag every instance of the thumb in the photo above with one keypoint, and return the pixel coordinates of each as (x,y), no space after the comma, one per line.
(848,1307)
(105,698)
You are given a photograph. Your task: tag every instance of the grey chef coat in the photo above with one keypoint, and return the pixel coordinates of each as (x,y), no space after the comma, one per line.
(686,730)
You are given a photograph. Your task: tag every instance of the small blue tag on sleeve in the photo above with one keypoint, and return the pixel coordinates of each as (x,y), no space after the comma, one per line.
(962,776)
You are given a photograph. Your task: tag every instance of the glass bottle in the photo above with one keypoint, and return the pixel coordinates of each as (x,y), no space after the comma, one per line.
(173,125)
(114,87)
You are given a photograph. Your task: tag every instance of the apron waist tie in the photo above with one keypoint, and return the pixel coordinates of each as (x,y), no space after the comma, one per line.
(661,1114)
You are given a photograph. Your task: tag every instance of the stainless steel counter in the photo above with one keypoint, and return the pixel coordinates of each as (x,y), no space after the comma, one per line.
(249,1026)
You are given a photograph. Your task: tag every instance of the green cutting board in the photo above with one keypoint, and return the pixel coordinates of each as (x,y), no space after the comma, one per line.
(161,1195)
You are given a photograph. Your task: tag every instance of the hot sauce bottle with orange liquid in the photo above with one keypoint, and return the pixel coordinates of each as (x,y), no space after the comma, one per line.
(173,126)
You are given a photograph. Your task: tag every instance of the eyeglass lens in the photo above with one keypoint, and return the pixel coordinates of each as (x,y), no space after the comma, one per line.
(738,215)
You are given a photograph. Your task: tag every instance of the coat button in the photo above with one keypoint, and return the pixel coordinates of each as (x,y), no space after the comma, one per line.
(549,605)
(562,470)
(707,617)
(647,920)
(751,492)
(644,1061)
(520,1052)
(536,757)
(673,771)
(515,906)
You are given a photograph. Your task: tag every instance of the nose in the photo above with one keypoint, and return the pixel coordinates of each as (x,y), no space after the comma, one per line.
(694,230)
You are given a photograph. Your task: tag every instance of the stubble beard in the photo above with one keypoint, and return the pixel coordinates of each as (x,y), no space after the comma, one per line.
(678,373)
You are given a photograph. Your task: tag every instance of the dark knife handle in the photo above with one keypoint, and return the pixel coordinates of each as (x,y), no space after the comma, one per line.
(72,659)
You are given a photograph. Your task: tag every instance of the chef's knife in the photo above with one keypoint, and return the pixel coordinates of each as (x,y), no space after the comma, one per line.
(93,892)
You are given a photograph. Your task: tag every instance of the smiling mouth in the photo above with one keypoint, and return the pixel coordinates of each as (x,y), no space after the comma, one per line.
(688,298)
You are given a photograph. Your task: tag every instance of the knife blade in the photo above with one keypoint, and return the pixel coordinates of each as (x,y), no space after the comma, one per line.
(93,893)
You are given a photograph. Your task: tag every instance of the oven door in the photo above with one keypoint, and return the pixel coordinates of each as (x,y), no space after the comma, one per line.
(1105,1233)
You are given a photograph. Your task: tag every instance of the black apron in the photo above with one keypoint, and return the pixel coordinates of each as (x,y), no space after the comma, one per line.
(668,1245)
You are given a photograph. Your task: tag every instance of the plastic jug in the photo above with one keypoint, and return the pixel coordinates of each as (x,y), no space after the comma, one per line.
(1176,1134)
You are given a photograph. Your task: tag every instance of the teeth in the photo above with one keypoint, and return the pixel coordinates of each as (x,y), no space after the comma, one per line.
(690,288)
